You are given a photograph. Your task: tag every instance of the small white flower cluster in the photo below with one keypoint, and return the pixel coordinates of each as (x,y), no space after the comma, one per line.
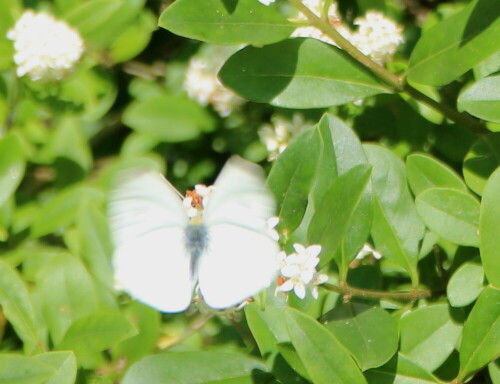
(277,135)
(333,17)
(202,85)
(196,200)
(298,271)
(45,48)
(377,36)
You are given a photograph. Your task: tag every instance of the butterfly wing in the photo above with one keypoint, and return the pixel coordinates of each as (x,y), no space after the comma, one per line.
(148,222)
(240,258)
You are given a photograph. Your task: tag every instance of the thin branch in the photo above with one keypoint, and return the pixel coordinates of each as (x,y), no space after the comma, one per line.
(349,292)
(194,327)
(396,82)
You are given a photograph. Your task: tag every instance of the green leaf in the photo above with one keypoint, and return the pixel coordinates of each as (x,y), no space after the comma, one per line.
(452,214)
(61,211)
(481,336)
(481,161)
(226,22)
(489,228)
(457,44)
(195,368)
(326,360)
(292,358)
(465,285)
(96,247)
(429,334)
(101,21)
(17,306)
(369,333)
(147,321)
(400,370)
(425,172)
(16,369)
(12,165)
(494,371)
(292,177)
(298,73)
(92,334)
(482,99)
(67,292)
(396,229)
(64,364)
(342,222)
(168,118)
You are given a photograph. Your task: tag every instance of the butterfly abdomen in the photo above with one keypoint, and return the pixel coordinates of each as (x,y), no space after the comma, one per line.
(196,243)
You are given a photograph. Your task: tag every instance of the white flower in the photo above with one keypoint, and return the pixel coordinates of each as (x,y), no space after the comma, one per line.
(45,48)
(300,269)
(276,136)
(377,36)
(368,250)
(202,85)
(266,2)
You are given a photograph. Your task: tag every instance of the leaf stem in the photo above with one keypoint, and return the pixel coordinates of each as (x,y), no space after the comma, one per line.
(348,292)
(194,327)
(398,83)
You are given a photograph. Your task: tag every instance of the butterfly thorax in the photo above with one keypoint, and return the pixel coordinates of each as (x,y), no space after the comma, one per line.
(196,243)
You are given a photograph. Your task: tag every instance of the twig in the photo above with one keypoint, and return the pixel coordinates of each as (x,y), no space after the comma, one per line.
(349,292)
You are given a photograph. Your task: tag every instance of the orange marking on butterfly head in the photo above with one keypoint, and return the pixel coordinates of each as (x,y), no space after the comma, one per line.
(196,198)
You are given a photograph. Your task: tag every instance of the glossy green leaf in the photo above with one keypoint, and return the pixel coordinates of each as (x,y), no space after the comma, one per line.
(488,66)
(64,364)
(292,358)
(465,285)
(425,172)
(298,73)
(94,333)
(456,44)
(267,326)
(481,336)
(194,368)
(482,99)
(12,165)
(147,321)
(67,293)
(61,211)
(400,370)
(481,161)
(168,118)
(489,228)
(452,214)
(226,22)
(494,371)
(15,369)
(326,360)
(292,177)
(396,229)
(342,222)
(369,333)
(430,334)
(18,307)
(96,248)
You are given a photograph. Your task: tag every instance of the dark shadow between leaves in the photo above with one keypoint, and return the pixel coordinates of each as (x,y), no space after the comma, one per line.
(230,5)
(261,377)
(261,74)
(485,13)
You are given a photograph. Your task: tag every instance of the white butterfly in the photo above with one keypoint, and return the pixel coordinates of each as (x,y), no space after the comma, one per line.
(160,255)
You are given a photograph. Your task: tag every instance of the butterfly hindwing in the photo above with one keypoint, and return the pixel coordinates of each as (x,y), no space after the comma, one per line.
(240,258)
(148,224)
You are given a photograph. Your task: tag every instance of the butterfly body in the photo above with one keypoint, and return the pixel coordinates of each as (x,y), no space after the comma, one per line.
(161,254)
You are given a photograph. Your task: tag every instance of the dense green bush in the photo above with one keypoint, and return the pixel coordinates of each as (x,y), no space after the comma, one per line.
(389,161)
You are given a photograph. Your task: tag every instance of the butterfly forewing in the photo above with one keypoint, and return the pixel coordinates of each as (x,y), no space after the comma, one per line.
(148,225)
(240,258)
